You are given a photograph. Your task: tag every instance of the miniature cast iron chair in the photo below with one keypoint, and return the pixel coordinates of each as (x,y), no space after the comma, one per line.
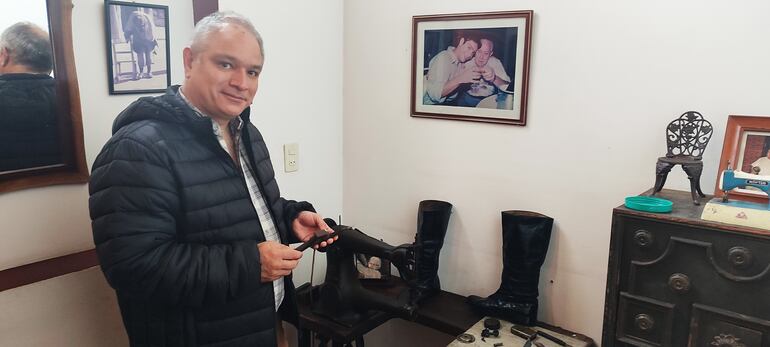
(686,139)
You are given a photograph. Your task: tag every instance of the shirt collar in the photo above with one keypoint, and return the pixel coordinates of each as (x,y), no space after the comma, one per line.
(236,124)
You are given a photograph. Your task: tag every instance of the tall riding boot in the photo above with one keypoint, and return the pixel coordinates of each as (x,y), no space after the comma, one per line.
(432,221)
(525,242)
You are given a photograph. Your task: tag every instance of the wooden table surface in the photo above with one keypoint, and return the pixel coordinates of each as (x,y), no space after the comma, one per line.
(446,312)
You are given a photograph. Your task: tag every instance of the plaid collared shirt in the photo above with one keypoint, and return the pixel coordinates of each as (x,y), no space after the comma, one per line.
(265,219)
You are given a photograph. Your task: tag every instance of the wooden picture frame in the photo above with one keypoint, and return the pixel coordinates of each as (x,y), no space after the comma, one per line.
(472,66)
(73,168)
(138,44)
(747,140)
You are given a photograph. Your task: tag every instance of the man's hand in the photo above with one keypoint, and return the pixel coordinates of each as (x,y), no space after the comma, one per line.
(307,223)
(468,75)
(487,73)
(277,260)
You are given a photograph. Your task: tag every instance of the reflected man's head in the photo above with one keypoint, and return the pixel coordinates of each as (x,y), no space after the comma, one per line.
(222,65)
(25,48)
(485,52)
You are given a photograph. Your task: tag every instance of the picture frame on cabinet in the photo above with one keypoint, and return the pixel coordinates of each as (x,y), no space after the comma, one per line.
(746,148)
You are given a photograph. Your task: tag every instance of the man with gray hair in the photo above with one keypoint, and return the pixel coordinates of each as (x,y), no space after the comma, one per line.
(187,217)
(25,48)
(29,132)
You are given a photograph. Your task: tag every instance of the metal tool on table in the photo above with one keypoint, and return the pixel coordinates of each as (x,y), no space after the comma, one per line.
(466,338)
(530,335)
(526,333)
(491,328)
(555,339)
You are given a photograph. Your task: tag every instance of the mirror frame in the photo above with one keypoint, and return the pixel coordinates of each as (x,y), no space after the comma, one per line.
(74,169)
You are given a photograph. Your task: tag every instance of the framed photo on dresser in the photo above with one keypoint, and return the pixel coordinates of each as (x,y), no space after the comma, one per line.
(747,149)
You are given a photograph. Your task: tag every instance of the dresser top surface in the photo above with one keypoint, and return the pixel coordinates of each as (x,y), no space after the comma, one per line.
(684,211)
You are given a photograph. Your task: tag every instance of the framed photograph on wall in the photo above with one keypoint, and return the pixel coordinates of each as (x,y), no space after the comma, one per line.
(747,149)
(137,47)
(471,67)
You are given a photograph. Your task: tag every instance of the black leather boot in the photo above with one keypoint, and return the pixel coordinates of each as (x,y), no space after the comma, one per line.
(526,236)
(432,221)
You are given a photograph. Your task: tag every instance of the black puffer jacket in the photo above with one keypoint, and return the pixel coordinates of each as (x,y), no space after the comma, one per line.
(29,131)
(177,234)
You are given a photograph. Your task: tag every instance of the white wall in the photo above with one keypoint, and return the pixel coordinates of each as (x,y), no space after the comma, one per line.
(299,101)
(77,309)
(606,78)
(33,11)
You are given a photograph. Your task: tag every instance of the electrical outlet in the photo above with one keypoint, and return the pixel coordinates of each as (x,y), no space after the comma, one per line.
(290,157)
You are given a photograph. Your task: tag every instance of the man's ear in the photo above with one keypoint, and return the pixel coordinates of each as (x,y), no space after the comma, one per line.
(187,57)
(5,57)
(460,43)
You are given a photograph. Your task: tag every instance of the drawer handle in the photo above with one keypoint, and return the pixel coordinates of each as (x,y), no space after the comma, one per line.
(644,322)
(727,340)
(679,283)
(643,238)
(740,257)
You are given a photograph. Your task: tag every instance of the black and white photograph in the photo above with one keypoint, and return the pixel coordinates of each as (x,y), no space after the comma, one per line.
(138,47)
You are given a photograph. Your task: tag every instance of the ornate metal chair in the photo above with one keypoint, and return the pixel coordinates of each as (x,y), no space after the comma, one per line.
(686,139)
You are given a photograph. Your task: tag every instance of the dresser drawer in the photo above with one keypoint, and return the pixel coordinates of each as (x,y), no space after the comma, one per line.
(713,326)
(677,264)
(644,321)
(647,240)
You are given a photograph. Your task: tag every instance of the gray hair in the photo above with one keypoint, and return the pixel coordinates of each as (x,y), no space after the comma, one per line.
(28,45)
(216,21)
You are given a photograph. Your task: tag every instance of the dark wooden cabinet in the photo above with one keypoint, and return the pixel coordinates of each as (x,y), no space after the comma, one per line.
(676,280)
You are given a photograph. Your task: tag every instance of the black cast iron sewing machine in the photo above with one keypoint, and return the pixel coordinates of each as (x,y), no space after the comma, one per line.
(342,298)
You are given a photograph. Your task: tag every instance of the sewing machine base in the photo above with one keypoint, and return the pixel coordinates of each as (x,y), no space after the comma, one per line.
(332,304)
(731,179)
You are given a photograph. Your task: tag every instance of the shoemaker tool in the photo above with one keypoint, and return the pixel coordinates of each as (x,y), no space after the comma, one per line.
(555,339)
(318,237)
(530,335)
(527,334)
(491,328)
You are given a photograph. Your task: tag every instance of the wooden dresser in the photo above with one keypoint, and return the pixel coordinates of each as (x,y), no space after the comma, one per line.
(676,280)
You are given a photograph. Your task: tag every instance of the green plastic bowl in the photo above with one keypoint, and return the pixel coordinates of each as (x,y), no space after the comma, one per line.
(648,204)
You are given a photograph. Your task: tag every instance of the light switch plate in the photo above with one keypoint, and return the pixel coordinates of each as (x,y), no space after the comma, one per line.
(290,157)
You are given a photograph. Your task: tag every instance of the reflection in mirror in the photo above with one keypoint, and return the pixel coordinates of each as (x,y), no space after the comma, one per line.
(41,135)
(29,131)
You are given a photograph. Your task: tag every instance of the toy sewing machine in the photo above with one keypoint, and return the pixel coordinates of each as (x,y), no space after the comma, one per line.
(731,179)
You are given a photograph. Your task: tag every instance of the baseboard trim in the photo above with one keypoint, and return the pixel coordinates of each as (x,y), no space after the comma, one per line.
(45,269)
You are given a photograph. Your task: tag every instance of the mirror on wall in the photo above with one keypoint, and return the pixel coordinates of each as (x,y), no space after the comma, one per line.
(41,135)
